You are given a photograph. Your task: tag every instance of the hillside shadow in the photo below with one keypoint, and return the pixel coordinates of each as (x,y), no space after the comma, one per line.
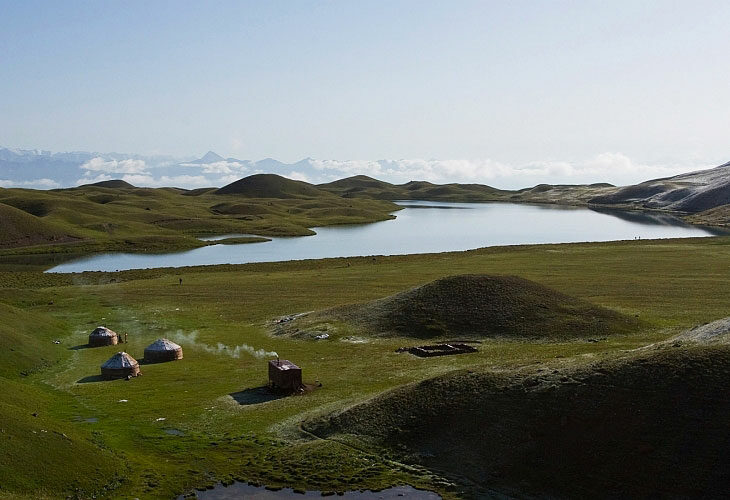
(90,378)
(79,347)
(255,396)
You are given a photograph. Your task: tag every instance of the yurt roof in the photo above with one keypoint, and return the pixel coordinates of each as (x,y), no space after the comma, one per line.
(103,331)
(162,345)
(120,360)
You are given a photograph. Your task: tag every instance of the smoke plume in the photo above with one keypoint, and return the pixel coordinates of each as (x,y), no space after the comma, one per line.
(190,339)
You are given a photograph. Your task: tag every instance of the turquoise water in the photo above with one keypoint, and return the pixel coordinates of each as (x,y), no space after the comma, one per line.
(421,227)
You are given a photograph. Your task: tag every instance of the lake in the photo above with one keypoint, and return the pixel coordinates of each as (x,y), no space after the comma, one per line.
(421,227)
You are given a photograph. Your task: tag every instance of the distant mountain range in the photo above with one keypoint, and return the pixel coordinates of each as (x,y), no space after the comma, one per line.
(688,193)
(26,167)
(44,169)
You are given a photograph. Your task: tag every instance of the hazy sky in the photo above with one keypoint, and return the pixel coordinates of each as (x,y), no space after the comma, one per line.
(512,82)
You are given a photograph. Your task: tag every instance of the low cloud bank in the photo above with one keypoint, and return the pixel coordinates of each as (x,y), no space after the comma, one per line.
(33,184)
(615,168)
(612,167)
(219,167)
(99,164)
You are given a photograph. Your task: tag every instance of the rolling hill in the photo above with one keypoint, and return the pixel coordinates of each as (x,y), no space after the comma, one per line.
(362,186)
(20,228)
(474,306)
(271,186)
(689,193)
(112,184)
(651,423)
(114,215)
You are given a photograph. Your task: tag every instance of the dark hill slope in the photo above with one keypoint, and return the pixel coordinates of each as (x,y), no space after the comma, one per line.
(355,182)
(718,216)
(653,424)
(362,186)
(19,228)
(478,306)
(112,184)
(272,186)
(692,192)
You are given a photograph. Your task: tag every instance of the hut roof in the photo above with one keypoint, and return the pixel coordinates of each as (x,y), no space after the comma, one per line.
(102,331)
(162,345)
(283,364)
(120,360)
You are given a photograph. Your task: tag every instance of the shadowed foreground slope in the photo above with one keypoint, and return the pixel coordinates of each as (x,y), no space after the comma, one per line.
(653,423)
(477,306)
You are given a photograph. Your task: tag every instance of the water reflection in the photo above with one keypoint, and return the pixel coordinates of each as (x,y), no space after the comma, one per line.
(419,230)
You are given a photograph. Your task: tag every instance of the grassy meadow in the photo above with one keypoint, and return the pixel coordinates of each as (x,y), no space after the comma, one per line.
(122,439)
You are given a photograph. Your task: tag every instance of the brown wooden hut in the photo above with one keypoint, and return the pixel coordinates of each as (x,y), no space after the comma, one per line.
(102,336)
(284,375)
(121,365)
(162,350)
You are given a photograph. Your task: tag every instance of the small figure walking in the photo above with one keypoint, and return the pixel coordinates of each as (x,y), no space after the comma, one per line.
(181,281)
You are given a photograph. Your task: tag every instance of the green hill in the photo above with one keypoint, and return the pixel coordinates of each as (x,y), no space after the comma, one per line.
(476,306)
(271,186)
(362,186)
(356,182)
(20,228)
(111,184)
(100,218)
(652,423)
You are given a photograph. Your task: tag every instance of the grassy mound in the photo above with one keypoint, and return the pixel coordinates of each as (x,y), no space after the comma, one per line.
(478,306)
(356,182)
(271,186)
(112,184)
(20,228)
(653,423)
(362,186)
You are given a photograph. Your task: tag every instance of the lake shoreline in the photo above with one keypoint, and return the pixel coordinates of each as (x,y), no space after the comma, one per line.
(416,230)
(163,245)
